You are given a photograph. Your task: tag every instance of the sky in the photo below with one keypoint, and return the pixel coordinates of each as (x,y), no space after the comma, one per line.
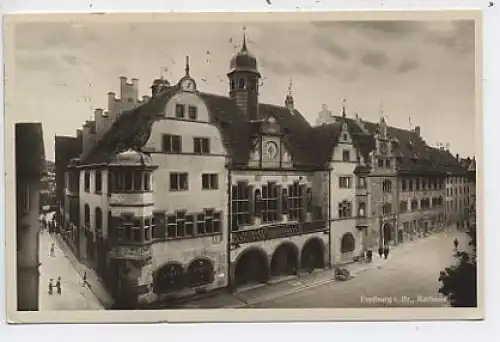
(420,72)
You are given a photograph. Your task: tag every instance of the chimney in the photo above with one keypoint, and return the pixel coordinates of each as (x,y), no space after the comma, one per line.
(417,131)
(457,156)
(123,85)
(135,87)
(111,102)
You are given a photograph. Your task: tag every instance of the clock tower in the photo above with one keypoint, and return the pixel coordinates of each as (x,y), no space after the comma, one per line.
(244,82)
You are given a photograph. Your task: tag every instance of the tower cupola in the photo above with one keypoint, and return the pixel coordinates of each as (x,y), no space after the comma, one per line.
(244,79)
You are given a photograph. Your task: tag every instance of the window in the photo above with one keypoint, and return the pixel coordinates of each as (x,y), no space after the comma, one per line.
(87,181)
(158,225)
(414,205)
(98,219)
(403,206)
(403,185)
(172,143)
(201,145)
(179,181)
(200,224)
(344,136)
(270,202)
(417,187)
(176,225)
(388,163)
(241,83)
(309,200)
(410,185)
(284,202)
(192,112)
(295,202)
(344,182)
(362,182)
(86,215)
(128,180)
(424,203)
(209,181)
(189,225)
(346,156)
(345,209)
(240,205)
(98,182)
(386,209)
(136,230)
(179,111)
(362,209)
(147,181)
(380,163)
(147,229)
(386,186)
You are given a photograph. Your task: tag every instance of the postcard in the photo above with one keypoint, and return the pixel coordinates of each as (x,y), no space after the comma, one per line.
(243,167)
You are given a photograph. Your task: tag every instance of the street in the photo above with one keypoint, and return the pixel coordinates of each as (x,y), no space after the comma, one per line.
(408,278)
(74,296)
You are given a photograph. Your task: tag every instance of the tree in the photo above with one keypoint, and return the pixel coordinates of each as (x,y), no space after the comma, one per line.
(459,281)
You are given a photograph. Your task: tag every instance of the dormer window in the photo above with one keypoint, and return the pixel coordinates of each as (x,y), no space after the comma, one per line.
(179,111)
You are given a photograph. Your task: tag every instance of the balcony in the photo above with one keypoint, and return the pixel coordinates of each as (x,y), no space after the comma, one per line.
(134,253)
(277,231)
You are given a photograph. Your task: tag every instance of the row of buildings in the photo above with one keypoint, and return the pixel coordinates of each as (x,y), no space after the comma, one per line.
(183,192)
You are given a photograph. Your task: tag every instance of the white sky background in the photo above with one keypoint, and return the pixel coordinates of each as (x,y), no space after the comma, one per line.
(422,70)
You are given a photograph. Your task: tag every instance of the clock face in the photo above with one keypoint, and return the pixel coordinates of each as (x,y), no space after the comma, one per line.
(271,149)
(188,85)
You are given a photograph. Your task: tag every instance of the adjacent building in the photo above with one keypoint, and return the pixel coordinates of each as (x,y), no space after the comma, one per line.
(183,192)
(30,168)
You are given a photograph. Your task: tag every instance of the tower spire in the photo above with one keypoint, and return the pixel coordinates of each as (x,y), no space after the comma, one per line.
(187,66)
(344,102)
(289,98)
(244,46)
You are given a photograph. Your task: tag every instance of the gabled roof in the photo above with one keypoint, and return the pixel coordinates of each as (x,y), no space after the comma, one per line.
(132,129)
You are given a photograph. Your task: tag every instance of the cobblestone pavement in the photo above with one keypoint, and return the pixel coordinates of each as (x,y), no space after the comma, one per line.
(74,296)
(409,277)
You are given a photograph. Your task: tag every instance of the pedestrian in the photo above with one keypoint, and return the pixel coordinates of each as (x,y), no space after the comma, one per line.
(369,255)
(455,243)
(386,251)
(58,286)
(380,251)
(52,250)
(51,287)
(85,282)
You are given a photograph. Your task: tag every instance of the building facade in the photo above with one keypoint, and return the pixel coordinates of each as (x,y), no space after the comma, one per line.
(184,192)
(30,169)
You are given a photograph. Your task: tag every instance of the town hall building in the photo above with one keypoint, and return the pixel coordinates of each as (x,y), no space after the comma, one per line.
(183,192)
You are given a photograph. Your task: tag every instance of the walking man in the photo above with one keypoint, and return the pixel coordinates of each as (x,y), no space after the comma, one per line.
(52,250)
(455,243)
(51,287)
(58,285)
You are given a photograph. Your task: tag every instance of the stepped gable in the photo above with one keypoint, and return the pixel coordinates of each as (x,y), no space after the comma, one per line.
(133,128)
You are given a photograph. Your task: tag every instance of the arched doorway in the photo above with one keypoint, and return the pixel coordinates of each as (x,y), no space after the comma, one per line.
(348,243)
(200,272)
(284,260)
(168,278)
(251,267)
(313,255)
(387,233)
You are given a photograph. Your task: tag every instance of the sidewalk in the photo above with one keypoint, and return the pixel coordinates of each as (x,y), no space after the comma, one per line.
(73,295)
(96,285)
